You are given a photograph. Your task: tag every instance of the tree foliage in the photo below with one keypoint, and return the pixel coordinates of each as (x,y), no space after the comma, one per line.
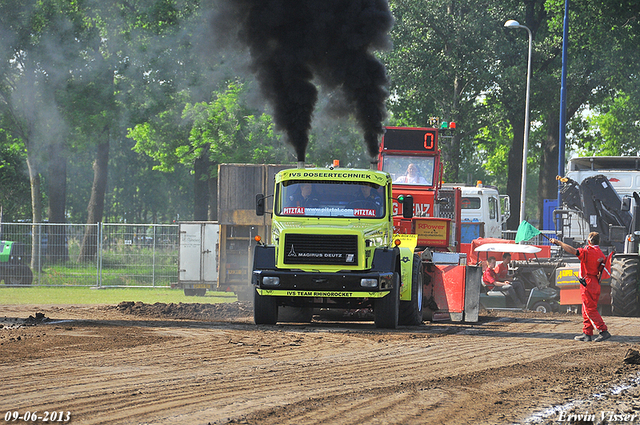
(145,77)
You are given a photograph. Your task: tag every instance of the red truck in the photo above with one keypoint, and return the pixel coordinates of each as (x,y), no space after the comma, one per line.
(412,157)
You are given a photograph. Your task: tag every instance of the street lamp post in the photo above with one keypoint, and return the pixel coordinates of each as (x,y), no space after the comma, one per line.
(525,146)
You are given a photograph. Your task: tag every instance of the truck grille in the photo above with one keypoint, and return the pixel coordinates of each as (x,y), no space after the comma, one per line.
(321,249)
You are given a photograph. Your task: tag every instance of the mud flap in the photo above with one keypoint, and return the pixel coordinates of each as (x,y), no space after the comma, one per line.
(408,245)
(473,286)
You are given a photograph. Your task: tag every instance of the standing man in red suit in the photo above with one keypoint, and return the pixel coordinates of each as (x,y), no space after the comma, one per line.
(592,262)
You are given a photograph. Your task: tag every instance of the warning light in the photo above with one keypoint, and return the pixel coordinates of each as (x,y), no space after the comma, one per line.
(397,242)
(336,163)
(447,126)
(258,239)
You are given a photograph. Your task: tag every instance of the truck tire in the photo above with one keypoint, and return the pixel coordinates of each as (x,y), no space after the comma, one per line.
(18,275)
(265,309)
(624,286)
(411,311)
(386,309)
(195,292)
(295,314)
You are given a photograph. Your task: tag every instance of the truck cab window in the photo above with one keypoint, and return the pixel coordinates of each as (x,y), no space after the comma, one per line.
(411,170)
(493,208)
(331,199)
(471,203)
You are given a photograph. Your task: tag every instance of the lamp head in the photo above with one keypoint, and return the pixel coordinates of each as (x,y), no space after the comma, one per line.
(512,24)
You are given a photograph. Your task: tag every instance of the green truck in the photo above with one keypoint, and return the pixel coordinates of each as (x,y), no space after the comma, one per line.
(333,247)
(13,270)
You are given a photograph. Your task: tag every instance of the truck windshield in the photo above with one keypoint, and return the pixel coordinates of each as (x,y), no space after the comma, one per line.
(331,199)
(413,170)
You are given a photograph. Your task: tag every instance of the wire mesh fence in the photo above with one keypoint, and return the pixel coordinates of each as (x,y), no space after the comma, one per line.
(101,255)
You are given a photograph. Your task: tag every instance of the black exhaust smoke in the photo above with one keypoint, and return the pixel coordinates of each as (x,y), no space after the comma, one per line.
(293,41)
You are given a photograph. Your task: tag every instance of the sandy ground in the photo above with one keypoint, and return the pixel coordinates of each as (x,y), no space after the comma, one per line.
(209,364)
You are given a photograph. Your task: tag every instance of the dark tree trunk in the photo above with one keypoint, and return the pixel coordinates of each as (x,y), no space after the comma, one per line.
(451,157)
(450,144)
(95,209)
(57,250)
(514,180)
(213,199)
(36,205)
(201,188)
(547,183)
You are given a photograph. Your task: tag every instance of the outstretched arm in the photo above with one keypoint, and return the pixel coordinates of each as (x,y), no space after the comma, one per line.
(567,248)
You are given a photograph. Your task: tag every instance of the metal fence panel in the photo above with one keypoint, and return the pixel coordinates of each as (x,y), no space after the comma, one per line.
(139,255)
(104,254)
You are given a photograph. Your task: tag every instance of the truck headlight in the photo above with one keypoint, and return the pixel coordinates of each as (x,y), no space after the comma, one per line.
(369,283)
(271,281)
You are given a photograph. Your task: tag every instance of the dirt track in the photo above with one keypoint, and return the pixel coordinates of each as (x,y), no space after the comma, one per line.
(200,364)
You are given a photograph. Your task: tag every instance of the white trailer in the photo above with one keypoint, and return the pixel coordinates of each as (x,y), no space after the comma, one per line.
(198,257)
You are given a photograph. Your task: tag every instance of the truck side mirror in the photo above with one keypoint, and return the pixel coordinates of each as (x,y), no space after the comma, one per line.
(407,205)
(505,205)
(260,204)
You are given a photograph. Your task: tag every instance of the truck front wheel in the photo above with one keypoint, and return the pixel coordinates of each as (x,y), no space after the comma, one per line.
(265,309)
(386,308)
(295,314)
(624,287)
(411,311)
(18,275)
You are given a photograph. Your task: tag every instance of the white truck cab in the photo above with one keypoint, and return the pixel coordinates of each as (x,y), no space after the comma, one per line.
(484,212)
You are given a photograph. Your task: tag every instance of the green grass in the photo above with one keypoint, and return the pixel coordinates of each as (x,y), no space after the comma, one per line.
(86,295)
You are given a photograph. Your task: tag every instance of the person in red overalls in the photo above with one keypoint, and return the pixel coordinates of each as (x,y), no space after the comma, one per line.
(502,272)
(592,262)
(491,282)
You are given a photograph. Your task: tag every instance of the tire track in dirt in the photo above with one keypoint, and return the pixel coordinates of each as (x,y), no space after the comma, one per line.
(197,372)
(281,373)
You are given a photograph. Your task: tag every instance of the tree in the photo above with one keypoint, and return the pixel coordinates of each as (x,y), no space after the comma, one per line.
(602,46)
(442,62)
(14,180)
(454,60)
(43,41)
(129,45)
(204,135)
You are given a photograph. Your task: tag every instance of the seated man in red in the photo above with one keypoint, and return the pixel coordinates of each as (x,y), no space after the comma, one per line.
(502,271)
(490,280)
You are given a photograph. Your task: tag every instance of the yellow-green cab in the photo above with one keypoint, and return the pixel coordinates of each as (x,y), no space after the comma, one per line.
(332,246)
